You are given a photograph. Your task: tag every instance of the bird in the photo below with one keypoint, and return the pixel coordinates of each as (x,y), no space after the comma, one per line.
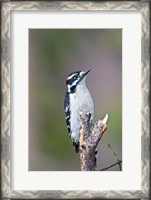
(77,99)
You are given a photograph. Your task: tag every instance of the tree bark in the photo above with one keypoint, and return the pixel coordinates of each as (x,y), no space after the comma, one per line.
(90,135)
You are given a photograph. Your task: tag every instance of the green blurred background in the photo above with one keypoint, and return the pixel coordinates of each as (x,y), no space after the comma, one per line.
(53,55)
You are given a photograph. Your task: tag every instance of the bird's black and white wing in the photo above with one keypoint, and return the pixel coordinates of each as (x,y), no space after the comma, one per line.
(67,111)
(67,117)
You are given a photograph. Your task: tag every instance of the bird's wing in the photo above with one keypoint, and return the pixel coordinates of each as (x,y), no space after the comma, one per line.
(67,111)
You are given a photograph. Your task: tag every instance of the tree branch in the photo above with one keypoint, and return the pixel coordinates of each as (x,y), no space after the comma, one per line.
(89,139)
(116,157)
(117,163)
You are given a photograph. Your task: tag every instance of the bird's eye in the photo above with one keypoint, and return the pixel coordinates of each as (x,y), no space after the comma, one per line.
(76,77)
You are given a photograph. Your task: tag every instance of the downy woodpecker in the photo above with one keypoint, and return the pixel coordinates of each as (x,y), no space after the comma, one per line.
(77,99)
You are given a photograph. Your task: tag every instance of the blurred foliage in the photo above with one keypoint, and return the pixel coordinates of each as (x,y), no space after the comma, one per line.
(53,54)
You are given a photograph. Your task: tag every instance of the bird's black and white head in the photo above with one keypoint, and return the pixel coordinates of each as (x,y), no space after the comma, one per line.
(76,79)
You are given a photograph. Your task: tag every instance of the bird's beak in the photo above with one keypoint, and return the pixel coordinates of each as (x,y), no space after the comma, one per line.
(86,73)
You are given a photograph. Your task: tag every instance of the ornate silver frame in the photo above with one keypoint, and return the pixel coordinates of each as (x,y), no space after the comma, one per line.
(7,6)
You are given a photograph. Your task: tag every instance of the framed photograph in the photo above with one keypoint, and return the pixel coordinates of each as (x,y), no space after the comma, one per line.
(48,50)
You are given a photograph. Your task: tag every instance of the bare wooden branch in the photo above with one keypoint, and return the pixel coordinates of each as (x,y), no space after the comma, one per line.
(108,167)
(90,136)
(116,157)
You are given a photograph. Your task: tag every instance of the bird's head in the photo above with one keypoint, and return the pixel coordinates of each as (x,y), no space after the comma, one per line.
(76,78)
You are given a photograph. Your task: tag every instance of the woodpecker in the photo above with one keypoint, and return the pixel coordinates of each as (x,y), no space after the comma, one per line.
(77,99)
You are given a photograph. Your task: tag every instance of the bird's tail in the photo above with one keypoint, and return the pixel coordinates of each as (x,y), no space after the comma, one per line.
(76,146)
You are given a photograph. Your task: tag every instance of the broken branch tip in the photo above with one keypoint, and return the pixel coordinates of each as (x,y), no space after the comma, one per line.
(105,119)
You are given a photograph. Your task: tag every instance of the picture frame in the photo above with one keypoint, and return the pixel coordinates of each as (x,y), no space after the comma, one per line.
(6,159)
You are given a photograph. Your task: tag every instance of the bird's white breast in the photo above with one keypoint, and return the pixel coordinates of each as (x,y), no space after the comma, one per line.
(79,101)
